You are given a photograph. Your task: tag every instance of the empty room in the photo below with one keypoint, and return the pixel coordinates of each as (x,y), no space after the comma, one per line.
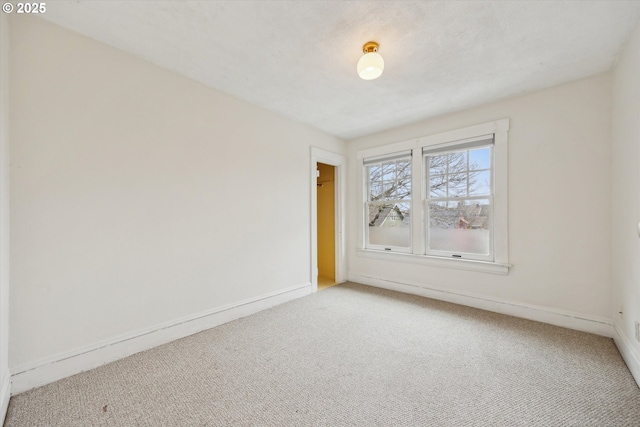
(320,213)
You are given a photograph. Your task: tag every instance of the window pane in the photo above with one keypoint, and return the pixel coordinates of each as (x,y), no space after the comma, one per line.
(375,191)
(458,162)
(404,190)
(374,173)
(437,186)
(458,185)
(403,180)
(388,187)
(389,171)
(480,158)
(390,180)
(438,164)
(460,226)
(402,168)
(389,224)
(479,183)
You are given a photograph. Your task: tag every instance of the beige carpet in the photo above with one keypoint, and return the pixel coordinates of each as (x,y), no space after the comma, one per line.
(352,355)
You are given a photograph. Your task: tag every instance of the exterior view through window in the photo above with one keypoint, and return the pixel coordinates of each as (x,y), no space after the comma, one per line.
(389,202)
(459,200)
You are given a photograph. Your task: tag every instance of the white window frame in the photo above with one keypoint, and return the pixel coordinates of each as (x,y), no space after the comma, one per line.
(379,160)
(418,253)
(458,146)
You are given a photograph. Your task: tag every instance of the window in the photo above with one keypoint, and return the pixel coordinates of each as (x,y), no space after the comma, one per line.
(440,199)
(459,200)
(388,205)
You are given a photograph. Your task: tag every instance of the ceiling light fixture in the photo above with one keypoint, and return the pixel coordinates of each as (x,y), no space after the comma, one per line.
(371,64)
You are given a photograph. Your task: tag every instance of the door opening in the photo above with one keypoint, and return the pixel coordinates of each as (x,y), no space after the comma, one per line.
(337,262)
(326,211)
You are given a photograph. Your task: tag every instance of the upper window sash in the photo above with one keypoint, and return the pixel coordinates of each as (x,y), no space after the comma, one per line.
(475,166)
(388,178)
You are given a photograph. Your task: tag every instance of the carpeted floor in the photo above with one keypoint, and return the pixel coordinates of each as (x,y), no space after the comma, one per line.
(353,355)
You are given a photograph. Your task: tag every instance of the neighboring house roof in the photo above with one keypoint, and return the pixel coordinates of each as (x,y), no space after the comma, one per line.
(476,215)
(377,217)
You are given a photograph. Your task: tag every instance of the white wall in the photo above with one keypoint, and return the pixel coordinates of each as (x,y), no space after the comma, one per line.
(626,199)
(4,215)
(559,208)
(140,197)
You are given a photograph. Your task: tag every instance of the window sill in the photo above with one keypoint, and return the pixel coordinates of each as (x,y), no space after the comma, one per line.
(460,264)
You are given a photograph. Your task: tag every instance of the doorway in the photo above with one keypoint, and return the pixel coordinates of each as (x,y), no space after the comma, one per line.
(328,260)
(326,211)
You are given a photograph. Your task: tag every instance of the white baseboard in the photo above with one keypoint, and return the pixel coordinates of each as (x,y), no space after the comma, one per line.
(5,395)
(566,319)
(629,354)
(60,366)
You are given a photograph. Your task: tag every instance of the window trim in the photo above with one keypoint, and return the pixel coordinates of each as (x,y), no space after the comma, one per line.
(500,264)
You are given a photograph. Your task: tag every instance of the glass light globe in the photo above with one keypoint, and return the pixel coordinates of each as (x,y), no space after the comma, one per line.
(370,66)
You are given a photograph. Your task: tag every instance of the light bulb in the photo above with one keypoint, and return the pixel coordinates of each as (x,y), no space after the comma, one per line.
(370,66)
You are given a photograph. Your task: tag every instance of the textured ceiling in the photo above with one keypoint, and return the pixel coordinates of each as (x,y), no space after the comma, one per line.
(298,58)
